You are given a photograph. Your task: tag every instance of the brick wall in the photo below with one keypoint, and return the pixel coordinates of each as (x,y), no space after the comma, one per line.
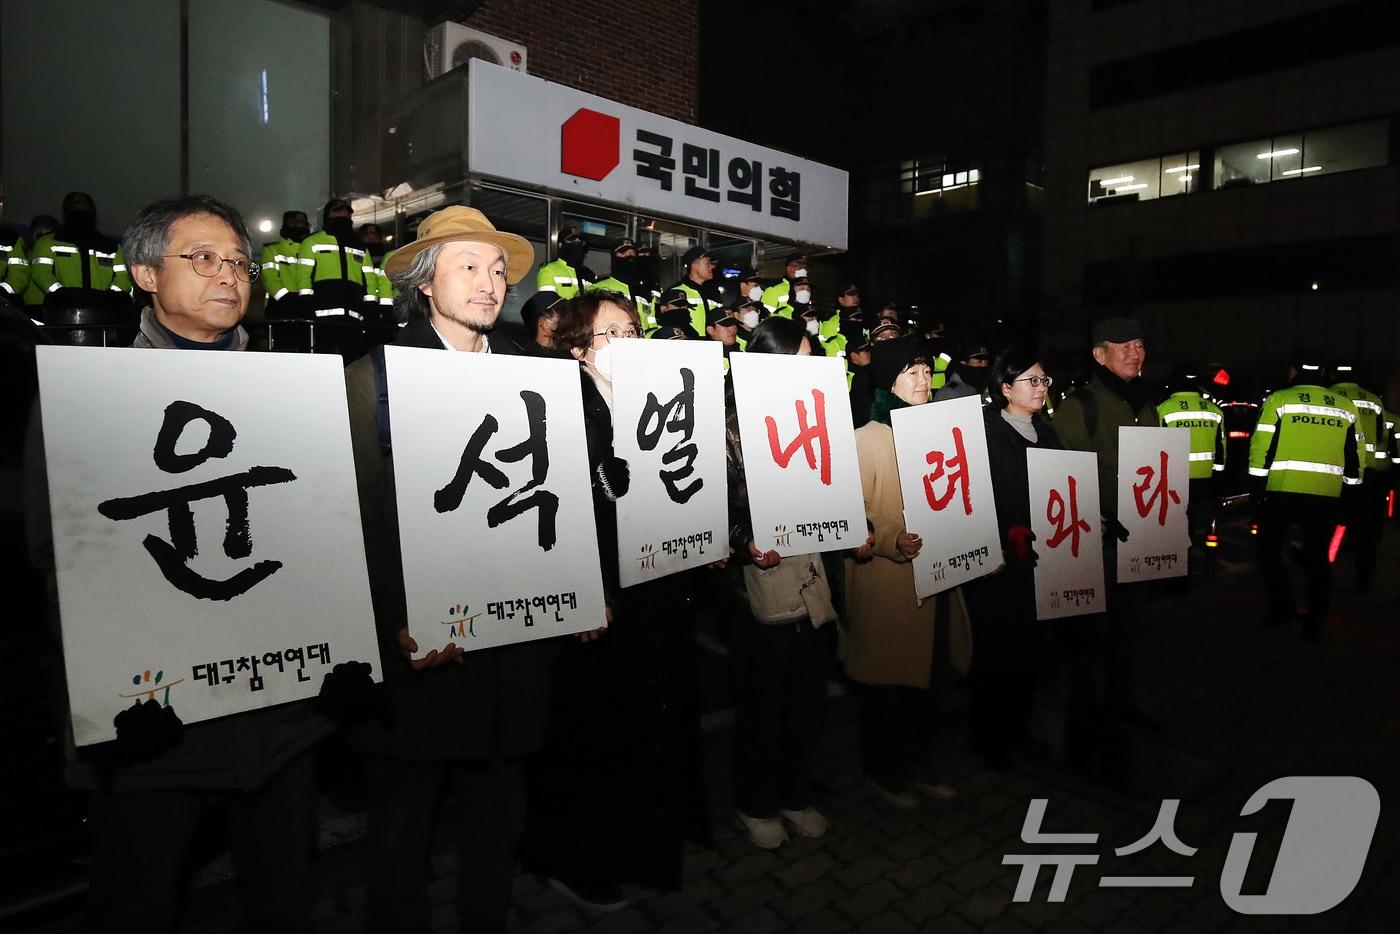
(644,53)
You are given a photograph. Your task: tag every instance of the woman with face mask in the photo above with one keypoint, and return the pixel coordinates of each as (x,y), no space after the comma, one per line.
(1009,641)
(619,784)
(889,644)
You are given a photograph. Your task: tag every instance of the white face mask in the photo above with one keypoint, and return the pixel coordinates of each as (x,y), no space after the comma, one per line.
(755,293)
(749,319)
(813,327)
(800,274)
(803,295)
(603,361)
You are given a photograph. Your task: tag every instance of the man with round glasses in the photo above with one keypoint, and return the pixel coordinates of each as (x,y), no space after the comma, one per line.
(193,258)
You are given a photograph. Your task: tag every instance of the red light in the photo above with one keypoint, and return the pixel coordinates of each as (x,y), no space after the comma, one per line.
(1254,528)
(1239,434)
(1336,545)
(1390,505)
(1221,377)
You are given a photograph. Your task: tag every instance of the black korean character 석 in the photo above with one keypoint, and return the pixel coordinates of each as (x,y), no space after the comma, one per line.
(173,556)
(674,417)
(530,496)
(746,180)
(659,164)
(786,189)
(701,168)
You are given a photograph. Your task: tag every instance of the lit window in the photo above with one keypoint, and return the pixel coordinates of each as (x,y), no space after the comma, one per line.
(1302,155)
(1180,174)
(1127,181)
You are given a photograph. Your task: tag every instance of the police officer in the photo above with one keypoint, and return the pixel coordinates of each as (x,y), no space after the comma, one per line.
(626,279)
(793,289)
(376,279)
(78,257)
(1188,407)
(14,267)
(673,310)
(40,226)
(335,269)
(1365,507)
(1302,455)
(697,276)
(281,257)
(567,275)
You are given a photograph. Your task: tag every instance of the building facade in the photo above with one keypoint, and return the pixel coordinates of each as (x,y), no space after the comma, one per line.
(1227,173)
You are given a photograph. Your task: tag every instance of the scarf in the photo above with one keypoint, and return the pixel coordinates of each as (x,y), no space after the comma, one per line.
(885,403)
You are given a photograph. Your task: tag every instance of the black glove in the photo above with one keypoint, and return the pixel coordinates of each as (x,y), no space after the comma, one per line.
(614,477)
(144,731)
(349,695)
(1115,528)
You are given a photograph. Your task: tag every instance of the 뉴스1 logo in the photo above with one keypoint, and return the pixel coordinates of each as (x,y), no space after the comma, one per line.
(1320,859)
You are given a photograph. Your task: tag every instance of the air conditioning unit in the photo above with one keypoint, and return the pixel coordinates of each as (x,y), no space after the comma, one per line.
(451,45)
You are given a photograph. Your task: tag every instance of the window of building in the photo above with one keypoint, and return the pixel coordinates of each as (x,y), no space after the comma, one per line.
(1302,155)
(1127,181)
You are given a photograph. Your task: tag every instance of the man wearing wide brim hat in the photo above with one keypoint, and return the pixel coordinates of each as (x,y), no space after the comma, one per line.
(464,720)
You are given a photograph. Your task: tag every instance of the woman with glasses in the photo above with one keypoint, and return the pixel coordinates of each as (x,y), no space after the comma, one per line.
(619,784)
(1009,643)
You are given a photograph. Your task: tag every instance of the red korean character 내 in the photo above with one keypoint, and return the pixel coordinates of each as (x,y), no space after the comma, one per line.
(1156,478)
(952,470)
(1070,526)
(806,435)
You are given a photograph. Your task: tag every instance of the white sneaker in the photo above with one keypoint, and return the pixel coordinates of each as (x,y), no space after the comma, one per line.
(808,822)
(766,833)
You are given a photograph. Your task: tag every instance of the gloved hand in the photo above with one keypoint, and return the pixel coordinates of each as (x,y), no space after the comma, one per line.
(1116,529)
(1018,544)
(614,477)
(348,694)
(144,731)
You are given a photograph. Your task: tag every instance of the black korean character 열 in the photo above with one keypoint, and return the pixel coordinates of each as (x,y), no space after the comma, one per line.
(658,165)
(746,178)
(700,163)
(786,189)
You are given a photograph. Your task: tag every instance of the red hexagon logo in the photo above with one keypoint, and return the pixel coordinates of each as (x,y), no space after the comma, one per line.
(590,144)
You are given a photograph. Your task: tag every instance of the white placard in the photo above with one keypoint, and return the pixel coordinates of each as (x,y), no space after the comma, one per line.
(206,529)
(668,424)
(1154,489)
(946,484)
(799,453)
(1064,489)
(495,503)
(527,130)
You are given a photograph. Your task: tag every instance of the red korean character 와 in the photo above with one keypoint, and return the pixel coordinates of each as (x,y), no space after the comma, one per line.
(1160,491)
(1055,512)
(806,435)
(951,469)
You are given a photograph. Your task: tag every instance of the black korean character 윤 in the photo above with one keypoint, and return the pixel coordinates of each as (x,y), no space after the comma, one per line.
(658,165)
(786,189)
(701,166)
(746,178)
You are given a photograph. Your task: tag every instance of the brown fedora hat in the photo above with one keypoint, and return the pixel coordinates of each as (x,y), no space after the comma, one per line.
(463,223)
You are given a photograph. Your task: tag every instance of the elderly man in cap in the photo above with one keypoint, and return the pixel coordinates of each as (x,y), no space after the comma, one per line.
(697,282)
(1088,420)
(464,721)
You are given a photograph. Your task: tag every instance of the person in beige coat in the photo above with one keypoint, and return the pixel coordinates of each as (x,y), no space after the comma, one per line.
(889,646)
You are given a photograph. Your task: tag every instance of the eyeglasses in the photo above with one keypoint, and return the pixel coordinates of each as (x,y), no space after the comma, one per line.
(208,264)
(615,331)
(1036,381)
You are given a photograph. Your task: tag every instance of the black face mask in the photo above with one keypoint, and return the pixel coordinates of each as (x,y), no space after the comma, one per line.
(624,267)
(674,317)
(975,376)
(573,253)
(79,221)
(295,234)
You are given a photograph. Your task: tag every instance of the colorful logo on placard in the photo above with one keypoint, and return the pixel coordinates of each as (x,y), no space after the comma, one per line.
(148,686)
(459,621)
(648,557)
